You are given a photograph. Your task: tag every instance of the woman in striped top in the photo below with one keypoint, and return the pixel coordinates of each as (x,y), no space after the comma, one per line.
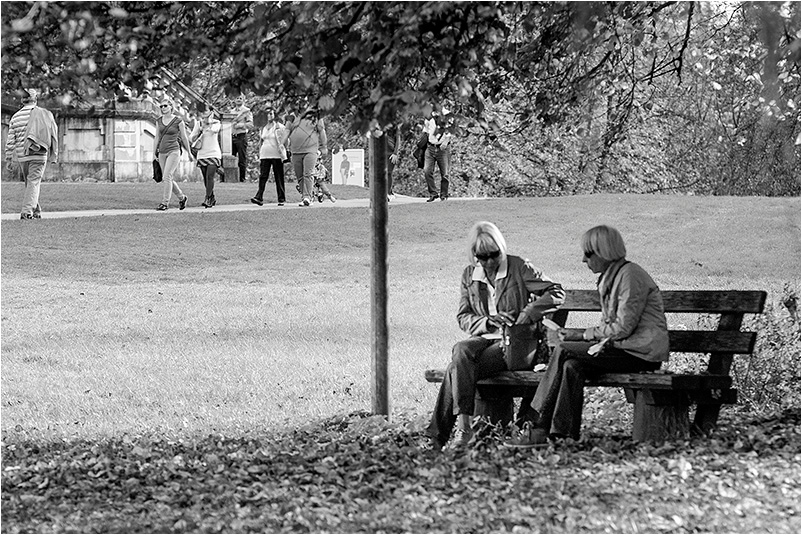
(205,136)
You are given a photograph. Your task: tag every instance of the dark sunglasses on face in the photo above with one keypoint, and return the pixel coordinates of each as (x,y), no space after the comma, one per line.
(165,106)
(484,257)
(587,254)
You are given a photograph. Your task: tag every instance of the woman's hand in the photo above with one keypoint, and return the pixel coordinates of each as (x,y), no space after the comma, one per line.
(567,335)
(501,319)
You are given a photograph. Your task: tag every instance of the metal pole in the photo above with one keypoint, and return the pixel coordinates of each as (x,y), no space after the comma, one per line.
(377,160)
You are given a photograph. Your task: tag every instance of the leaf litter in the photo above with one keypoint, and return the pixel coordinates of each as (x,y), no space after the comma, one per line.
(359,473)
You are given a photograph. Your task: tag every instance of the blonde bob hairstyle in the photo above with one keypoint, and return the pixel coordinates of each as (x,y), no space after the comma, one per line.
(604,241)
(485,237)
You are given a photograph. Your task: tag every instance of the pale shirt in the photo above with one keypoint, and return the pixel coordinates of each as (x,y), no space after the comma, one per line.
(436,137)
(209,145)
(480,276)
(273,137)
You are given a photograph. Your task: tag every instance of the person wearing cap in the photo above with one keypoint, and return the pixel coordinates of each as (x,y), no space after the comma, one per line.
(437,153)
(307,137)
(272,154)
(239,134)
(32,137)
(171,137)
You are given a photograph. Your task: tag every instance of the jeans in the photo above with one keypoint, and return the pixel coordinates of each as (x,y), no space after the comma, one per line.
(303,165)
(32,173)
(169,164)
(239,144)
(265,165)
(560,395)
(471,360)
(440,156)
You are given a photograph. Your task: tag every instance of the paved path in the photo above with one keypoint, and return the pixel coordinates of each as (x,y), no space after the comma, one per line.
(347,203)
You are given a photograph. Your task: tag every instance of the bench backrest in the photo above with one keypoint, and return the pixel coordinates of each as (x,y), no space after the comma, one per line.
(722,343)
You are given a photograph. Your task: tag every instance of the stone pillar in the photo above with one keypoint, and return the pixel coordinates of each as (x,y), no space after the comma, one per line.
(229,161)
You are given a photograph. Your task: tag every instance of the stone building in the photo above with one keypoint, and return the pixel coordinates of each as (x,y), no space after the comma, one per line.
(113,141)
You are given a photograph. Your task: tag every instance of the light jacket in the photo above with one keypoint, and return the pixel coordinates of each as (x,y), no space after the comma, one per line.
(32,135)
(514,283)
(307,136)
(633,317)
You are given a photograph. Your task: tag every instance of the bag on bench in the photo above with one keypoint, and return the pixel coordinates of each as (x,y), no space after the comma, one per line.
(524,346)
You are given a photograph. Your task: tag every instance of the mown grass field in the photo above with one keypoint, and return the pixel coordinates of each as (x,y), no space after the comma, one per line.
(172,326)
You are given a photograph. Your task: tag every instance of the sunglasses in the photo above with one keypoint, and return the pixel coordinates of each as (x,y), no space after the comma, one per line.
(484,257)
(588,254)
(164,106)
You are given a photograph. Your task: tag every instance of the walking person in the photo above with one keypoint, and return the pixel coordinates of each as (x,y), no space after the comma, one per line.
(32,137)
(171,139)
(394,148)
(243,122)
(437,153)
(307,137)
(272,154)
(494,292)
(209,156)
(631,337)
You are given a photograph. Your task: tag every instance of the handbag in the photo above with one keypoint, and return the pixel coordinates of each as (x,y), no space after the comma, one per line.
(524,346)
(157,170)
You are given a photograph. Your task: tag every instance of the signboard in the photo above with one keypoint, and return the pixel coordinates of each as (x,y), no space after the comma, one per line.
(348,167)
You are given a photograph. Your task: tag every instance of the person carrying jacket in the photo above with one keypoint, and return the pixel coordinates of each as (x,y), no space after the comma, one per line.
(32,137)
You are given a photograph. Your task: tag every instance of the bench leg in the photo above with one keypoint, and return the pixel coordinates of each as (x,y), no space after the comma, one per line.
(659,416)
(493,410)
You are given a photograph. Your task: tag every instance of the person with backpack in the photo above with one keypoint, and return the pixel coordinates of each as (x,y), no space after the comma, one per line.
(307,137)
(171,139)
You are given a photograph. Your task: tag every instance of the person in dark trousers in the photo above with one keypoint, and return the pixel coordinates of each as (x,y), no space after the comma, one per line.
(437,153)
(272,154)
(242,123)
(494,292)
(205,137)
(32,137)
(394,148)
(632,337)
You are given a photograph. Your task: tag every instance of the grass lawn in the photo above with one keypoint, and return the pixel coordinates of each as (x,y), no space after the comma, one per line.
(148,336)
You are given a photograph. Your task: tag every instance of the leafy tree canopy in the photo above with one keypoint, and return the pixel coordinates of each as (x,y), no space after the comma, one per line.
(382,60)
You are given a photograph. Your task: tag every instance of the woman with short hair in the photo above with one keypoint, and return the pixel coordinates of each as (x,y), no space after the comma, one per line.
(495,292)
(632,337)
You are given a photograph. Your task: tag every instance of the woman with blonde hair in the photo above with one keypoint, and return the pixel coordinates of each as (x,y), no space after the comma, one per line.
(171,136)
(495,292)
(631,337)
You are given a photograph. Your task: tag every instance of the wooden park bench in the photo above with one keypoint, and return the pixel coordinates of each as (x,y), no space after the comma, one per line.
(661,399)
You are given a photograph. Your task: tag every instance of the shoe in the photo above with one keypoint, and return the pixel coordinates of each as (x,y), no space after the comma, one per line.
(320,198)
(461,439)
(529,437)
(26,216)
(390,196)
(212,201)
(37,215)
(444,198)
(205,202)
(304,202)
(281,204)
(183,203)
(432,198)
(254,200)
(298,188)
(162,207)
(332,198)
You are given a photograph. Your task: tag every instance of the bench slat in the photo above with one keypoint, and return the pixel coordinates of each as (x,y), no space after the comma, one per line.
(661,381)
(698,301)
(708,341)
